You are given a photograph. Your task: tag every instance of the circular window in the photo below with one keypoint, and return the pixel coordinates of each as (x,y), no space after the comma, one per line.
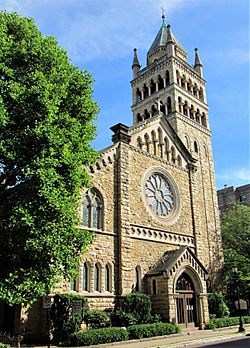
(161,194)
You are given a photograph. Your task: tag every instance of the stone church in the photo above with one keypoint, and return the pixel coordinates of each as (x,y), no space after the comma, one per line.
(153,204)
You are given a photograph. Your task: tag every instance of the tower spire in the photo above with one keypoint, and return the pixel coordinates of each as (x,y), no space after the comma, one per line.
(136,65)
(197,62)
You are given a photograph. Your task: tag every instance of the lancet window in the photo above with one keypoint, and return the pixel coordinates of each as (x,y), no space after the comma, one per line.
(92,209)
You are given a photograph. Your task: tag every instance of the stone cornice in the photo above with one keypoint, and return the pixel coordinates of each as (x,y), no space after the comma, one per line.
(162,236)
(96,231)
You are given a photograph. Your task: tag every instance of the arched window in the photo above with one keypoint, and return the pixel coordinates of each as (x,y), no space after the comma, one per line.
(183,81)
(201,94)
(138,95)
(187,141)
(203,120)
(97,277)
(169,107)
(180,104)
(160,82)
(139,142)
(189,84)
(92,209)
(153,137)
(146,114)
(154,288)
(137,281)
(167,78)
(152,86)
(139,117)
(178,77)
(146,137)
(85,277)
(195,147)
(162,108)
(145,91)
(108,278)
(154,111)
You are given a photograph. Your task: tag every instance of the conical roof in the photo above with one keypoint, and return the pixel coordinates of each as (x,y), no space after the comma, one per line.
(162,38)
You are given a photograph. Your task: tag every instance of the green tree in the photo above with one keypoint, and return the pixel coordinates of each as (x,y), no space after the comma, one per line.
(46,126)
(236,244)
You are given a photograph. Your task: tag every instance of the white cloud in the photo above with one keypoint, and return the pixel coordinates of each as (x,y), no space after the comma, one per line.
(237,174)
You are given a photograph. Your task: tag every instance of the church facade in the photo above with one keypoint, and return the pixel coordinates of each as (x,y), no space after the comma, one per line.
(153,204)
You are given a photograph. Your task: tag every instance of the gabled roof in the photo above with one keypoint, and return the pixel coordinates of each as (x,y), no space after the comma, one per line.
(161,39)
(169,258)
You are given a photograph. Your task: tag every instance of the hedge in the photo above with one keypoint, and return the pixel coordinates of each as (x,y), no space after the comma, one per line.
(226,321)
(98,336)
(151,330)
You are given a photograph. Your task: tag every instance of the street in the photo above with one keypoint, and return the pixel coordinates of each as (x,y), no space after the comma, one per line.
(243,342)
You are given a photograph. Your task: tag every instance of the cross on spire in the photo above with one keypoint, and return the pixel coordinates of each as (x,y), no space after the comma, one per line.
(163,12)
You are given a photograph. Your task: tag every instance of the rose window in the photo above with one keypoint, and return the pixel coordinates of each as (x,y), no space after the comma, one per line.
(159,195)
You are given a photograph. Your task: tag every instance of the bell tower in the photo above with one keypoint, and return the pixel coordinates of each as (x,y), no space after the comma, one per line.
(171,87)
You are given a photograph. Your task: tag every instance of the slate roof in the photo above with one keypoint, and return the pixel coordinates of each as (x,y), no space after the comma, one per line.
(161,39)
(168,259)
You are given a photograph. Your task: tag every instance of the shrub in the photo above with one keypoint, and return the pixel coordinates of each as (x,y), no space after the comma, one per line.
(139,305)
(227,321)
(96,319)
(122,318)
(151,330)
(63,321)
(217,305)
(4,345)
(98,336)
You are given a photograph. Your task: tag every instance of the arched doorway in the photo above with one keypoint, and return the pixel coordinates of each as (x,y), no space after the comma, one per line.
(185,300)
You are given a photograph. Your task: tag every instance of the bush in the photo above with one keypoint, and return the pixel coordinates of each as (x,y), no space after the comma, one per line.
(4,345)
(122,318)
(139,305)
(96,319)
(227,321)
(217,305)
(151,330)
(98,336)
(63,321)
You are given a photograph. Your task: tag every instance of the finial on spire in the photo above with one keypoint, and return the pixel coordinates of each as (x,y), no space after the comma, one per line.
(197,62)
(163,14)
(136,65)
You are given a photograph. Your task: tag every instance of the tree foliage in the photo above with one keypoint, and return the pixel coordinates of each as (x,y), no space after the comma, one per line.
(46,115)
(236,244)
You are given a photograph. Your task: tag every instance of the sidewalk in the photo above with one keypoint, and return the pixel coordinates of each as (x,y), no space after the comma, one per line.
(185,339)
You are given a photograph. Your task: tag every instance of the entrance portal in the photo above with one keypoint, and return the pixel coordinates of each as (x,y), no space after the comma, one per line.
(185,300)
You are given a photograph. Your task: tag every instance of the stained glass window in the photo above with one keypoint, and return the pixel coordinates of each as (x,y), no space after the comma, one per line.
(107,278)
(97,278)
(85,277)
(92,209)
(159,195)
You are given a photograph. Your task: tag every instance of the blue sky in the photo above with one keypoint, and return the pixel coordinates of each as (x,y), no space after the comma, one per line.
(100,35)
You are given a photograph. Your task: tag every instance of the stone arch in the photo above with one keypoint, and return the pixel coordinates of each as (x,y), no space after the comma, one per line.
(197,116)
(196,149)
(201,95)
(180,104)
(97,277)
(160,141)
(137,278)
(187,140)
(162,108)
(166,152)
(189,86)
(179,160)
(188,303)
(185,108)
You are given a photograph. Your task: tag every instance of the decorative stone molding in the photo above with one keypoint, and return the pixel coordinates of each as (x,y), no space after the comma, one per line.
(147,233)
(107,158)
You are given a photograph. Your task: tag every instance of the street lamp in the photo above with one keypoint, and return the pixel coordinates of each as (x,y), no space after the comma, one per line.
(241,328)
